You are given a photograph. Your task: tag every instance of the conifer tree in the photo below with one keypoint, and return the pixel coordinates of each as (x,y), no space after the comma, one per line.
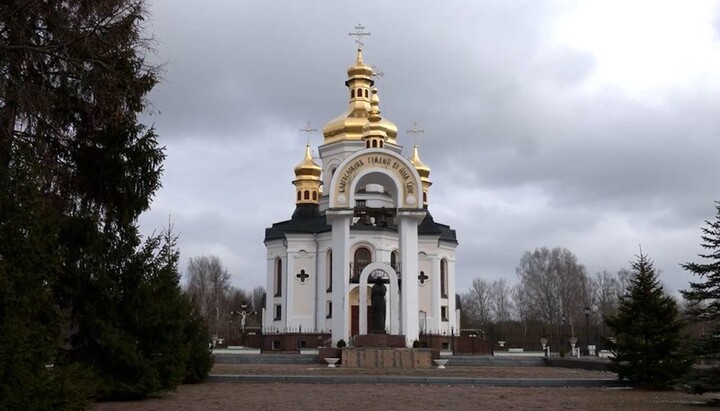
(704,298)
(649,349)
(86,307)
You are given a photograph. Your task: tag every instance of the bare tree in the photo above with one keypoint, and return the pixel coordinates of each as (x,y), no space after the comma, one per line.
(502,304)
(556,285)
(480,299)
(208,284)
(522,306)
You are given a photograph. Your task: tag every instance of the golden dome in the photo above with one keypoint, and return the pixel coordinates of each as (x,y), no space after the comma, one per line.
(349,125)
(421,168)
(359,69)
(308,167)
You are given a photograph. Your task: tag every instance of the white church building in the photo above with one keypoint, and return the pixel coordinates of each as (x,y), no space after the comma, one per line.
(361,216)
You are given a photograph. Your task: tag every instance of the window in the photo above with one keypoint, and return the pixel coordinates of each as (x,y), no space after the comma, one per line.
(381,144)
(307,194)
(366,93)
(314,195)
(299,196)
(352,93)
(329,272)
(328,309)
(443,279)
(367,143)
(278,277)
(359,92)
(424,196)
(393,260)
(444,313)
(361,260)
(278,312)
(374,143)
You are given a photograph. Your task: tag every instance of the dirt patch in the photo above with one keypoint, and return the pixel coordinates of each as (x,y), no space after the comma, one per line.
(238,396)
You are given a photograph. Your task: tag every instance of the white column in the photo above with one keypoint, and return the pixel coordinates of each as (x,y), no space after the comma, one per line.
(362,306)
(407,230)
(435,323)
(340,220)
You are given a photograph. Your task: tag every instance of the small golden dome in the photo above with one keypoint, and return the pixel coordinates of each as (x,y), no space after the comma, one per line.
(308,167)
(359,69)
(421,168)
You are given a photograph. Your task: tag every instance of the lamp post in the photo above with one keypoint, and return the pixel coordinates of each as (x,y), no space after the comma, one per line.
(587,328)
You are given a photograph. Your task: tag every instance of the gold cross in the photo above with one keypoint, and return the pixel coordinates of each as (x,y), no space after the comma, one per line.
(308,130)
(359,33)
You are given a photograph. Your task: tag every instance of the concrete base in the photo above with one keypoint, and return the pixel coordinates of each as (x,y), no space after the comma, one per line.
(395,358)
(379,340)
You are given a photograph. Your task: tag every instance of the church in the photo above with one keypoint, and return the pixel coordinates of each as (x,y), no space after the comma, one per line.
(361,217)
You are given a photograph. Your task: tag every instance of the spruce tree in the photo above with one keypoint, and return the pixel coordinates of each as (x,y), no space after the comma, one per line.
(649,349)
(704,298)
(85,306)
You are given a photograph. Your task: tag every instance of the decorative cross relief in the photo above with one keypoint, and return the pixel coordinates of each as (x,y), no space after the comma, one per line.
(302,276)
(359,33)
(422,277)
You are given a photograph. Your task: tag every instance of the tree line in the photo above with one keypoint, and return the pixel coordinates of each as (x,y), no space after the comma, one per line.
(654,339)
(219,303)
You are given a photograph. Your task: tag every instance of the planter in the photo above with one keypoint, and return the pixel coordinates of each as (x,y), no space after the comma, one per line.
(328,352)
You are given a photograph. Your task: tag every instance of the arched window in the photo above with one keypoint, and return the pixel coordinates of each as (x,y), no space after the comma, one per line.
(367,143)
(366,93)
(299,196)
(361,260)
(381,143)
(307,194)
(424,196)
(329,272)
(394,260)
(374,143)
(352,93)
(443,278)
(314,195)
(278,277)
(359,92)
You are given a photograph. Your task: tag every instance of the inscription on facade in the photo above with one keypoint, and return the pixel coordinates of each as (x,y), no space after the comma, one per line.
(376,160)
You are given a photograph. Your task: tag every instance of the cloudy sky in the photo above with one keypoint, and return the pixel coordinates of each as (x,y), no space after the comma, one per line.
(593,126)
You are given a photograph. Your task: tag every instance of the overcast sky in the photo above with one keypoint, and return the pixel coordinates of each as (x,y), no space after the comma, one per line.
(593,126)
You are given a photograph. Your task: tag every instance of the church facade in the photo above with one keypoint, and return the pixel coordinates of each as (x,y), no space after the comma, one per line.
(361,218)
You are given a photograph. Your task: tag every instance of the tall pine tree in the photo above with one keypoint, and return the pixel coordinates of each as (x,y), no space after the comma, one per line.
(81,296)
(649,349)
(704,298)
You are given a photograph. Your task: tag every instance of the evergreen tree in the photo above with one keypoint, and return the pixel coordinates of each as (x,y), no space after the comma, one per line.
(649,349)
(704,298)
(85,306)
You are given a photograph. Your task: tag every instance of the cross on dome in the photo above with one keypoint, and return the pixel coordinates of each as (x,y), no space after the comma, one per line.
(359,33)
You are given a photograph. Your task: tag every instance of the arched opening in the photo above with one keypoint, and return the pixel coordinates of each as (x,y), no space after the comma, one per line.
(278,277)
(314,195)
(307,194)
(366,93)
(394,261)
(361,259)
(352,93)
(299,196)
(329,271)
(374,143)
(381,144)
(367,143)
(443,278)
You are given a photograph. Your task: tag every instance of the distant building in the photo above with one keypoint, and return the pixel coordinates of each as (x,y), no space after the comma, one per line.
(361,216)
